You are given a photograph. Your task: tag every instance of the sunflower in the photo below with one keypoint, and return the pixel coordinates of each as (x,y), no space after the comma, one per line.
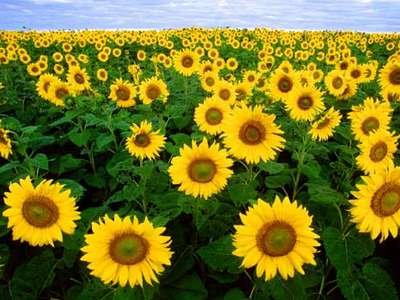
(126,251)
(304,103)
(232,64)
(123,93)
(376,207)
(377,151)
(282,84)
(369,117)
(276,238)
(43,84)
(243,90)
(152,89)
(225,91)
(102,74)
(144,142)
(251,134)
(335,82)
(186,62)
(5,144)
(389,77)
(34,69)
(39,215)
(78,79)
(201,170)
(58,91)
(209,80)
(210,114)
(323,128)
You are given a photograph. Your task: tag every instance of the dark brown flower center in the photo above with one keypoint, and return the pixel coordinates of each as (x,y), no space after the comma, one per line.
(46,86)
(128,249)
(210,81)
(187,61)
(305,102)
(142,140)
(285,84)
(355,74)
(79,79)
(61,93)
(213,116)
(153,91)
(35,70)
(123,93)
(276,238)
(252,133)
(369,124)
(224,94)
(337,83)
(386,200)
(394,76)
(378,151)
(344,65)
(251,78)
(202,170)
(40,211)
(324,123)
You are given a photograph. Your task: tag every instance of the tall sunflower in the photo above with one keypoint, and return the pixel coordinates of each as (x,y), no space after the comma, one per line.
(376,207)
(43,85)
(369,117)
(152,89)
(78,79)
(39,215)
(225,91)
(276,238)
(251,134)
(335,82)
(123,93)
(304,103)
(201,170)
(186,62)
(323,128)
(5,144)
(377,151)
(210,114)
(282,84)
(126,251)
(389,77)
(144,142)
(58,91)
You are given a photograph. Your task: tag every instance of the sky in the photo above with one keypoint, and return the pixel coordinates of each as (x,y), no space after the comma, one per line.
(359,15)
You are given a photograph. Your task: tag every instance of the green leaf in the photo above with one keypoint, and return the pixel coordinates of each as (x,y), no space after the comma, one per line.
(79,138)
(68,163)
(378,283)
(323,194)
(188,287)
(218,255)
(350,286)
(76,189)
(292,288)
(241,193)
(272,167)
(344,251)
(40,161)
(277,181)
(32,278)
(235,294)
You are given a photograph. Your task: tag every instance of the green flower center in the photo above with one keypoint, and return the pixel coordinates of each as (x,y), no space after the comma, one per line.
(277,238)
(386,200)
(213,116)
(202,170)
(305,102)
(142,140)
(285,84)
(40,211)
(252,133)
(370,124)
(378,151)
(394,76)
(128,249)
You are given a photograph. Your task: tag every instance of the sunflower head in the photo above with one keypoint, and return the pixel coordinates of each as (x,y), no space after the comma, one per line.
(210,114)
(304,103)
(123,93)
(152,89)
(272,239)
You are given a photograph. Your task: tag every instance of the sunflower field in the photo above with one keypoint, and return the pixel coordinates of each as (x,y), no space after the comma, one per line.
(199,164)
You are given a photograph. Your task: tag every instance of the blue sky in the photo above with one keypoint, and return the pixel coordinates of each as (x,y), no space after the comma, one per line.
(361,15)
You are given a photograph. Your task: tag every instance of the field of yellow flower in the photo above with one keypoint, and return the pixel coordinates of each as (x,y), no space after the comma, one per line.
(199,164)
